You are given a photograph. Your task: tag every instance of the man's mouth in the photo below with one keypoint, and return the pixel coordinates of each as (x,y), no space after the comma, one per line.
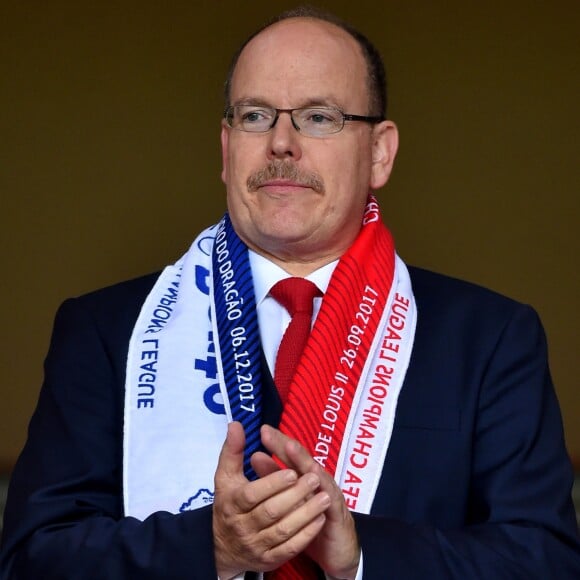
(284,176)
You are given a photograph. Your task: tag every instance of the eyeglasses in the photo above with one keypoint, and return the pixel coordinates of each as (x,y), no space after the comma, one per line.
(310,121)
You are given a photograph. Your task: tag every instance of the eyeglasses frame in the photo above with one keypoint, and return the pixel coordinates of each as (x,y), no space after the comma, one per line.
(228,115)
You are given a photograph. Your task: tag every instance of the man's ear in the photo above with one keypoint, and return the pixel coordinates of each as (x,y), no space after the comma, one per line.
(224,137)
(385,142)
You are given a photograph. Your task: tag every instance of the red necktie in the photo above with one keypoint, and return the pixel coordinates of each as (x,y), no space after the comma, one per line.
(296,295)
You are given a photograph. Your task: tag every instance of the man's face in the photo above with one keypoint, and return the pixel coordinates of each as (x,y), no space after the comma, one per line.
(307,210)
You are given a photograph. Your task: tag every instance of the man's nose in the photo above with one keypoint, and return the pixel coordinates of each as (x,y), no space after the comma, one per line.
(284,139)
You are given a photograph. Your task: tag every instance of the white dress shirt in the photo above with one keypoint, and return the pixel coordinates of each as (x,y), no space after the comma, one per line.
(273,318)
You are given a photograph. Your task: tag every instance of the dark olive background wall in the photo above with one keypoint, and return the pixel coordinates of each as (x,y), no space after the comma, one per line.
(109,154)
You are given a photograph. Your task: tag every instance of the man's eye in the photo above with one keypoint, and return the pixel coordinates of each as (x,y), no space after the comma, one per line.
(254,116)
(320,117)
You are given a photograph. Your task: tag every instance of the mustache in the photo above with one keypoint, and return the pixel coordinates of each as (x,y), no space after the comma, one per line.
(285,170)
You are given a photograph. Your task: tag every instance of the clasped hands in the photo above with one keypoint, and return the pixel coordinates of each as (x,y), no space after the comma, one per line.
(258,525)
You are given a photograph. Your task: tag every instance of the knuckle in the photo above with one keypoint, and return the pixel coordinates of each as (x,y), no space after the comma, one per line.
(225,509)
(246,495)
(283,530)
(292,551)
(238,527)
(268,559)
(270,512)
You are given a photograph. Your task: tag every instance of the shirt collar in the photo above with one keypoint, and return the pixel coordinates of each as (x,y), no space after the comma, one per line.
(265,274)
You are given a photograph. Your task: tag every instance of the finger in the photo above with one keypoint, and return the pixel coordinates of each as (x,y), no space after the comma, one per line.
(271,551)
(292,534)
(263,464)
(231,459)
(280,505)
(295,455)
(300,517)
(288,450)
(254,493)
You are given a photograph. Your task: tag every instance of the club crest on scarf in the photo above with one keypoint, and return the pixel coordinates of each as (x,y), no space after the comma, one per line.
(202,498)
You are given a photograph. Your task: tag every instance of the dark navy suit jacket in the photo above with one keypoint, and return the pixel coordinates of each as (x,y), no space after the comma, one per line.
(476,482)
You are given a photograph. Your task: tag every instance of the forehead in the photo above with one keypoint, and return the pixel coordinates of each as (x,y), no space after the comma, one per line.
(300,60)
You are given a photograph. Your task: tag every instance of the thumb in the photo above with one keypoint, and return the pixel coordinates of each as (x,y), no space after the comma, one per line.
(231,459)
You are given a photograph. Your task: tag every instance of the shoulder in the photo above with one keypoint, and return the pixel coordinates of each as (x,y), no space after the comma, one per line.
(135,289)
(452,294)
(463,309)
(428,283)
(111,312)
(122,299)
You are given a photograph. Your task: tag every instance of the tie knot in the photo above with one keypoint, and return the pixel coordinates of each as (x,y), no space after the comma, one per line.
(295,294)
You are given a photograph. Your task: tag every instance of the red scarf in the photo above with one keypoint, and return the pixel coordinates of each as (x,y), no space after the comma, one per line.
(328,374)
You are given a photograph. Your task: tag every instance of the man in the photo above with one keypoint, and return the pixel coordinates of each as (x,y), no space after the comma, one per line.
(419,432)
